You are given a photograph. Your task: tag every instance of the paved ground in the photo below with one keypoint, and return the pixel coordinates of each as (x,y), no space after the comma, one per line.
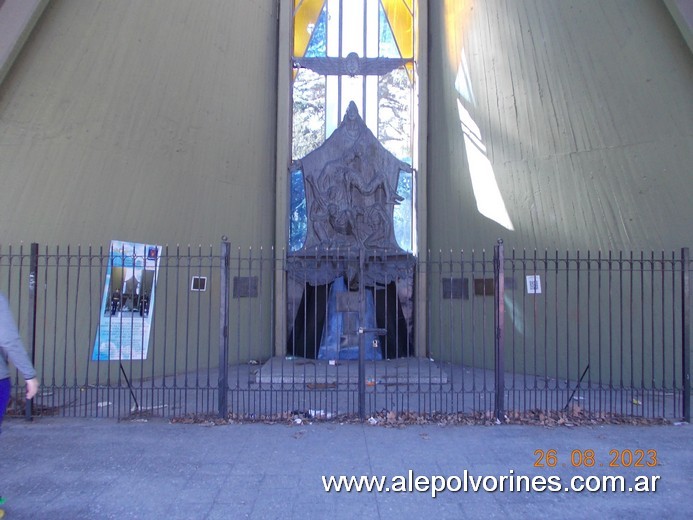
(100,468)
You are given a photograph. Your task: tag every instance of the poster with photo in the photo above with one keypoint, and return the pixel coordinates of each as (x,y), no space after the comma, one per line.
(127,305)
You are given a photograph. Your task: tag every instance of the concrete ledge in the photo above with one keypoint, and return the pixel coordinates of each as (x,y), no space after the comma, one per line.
(300,371)
(682,12)
(17,20)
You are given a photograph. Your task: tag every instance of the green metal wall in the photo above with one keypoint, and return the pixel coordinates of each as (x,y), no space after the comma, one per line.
(141,121)
(585,113)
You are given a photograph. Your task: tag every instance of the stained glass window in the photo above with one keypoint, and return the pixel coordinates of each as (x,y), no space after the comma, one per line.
(360,51)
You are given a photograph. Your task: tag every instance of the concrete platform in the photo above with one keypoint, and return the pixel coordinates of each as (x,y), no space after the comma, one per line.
(302,371)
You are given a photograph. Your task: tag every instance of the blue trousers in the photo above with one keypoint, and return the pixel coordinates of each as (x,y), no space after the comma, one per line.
(5,389)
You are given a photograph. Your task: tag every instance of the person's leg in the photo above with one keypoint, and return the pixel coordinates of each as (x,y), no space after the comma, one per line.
(5,389)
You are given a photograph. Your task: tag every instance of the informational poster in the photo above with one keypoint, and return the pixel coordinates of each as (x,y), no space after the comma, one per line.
(127,305)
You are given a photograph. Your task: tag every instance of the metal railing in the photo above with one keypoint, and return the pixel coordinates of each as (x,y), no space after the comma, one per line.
(496,335)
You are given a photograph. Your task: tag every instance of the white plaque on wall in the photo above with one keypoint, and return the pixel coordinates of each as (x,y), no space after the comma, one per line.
(533,284)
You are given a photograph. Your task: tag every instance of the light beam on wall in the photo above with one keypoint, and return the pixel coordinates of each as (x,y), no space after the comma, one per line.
(489,200)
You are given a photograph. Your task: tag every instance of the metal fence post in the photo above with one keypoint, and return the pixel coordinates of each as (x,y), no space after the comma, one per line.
(223,385)
(686,331)
(33,272)
(362,339)
(499,339)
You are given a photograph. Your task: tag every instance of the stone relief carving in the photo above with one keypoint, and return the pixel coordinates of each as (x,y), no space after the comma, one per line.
(350,247)
(351,182)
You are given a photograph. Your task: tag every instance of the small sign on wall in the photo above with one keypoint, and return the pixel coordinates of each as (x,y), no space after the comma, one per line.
(533,284)
(198,283)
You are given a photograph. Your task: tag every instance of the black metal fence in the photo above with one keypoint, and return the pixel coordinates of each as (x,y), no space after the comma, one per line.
(498,334)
